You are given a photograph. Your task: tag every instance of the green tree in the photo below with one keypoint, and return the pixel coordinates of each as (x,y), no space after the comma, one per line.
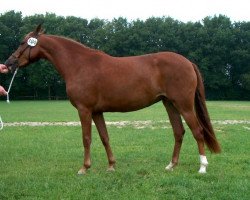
(216,46)
(10,23)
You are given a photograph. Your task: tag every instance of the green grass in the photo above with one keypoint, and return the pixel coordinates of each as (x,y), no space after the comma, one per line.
(17,111)
(41,162)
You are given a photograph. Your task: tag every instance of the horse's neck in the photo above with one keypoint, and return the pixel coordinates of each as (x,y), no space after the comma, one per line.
(62,53)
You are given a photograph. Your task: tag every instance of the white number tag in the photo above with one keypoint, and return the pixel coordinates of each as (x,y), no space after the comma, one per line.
(32,41)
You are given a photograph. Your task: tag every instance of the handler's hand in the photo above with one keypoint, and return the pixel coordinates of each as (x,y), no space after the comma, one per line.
(2,91)
(3,68)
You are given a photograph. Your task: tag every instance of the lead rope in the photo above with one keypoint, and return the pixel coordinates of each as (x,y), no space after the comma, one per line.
(8,92)
(8,97)
(1,123)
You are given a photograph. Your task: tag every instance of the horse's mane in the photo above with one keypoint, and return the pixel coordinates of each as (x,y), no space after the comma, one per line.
(66,39)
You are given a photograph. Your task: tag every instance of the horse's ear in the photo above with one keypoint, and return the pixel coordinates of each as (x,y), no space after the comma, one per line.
(38,29)
(43,31)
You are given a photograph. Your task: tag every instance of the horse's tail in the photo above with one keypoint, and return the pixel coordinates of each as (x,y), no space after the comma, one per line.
(203,116)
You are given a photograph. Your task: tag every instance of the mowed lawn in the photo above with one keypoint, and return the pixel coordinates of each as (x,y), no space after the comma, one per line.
(41,162)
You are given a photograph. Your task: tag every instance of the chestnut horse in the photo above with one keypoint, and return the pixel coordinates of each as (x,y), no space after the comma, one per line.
(98,83)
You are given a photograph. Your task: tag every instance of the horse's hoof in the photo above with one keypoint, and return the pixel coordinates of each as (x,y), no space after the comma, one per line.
(170,167)
(111,169)
(82,171)
(203,168)
(202,171)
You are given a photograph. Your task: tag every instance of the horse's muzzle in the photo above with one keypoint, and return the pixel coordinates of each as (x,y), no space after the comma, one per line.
(12,64)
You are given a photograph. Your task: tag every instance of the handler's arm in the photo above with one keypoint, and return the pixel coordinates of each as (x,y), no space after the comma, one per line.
(3,69)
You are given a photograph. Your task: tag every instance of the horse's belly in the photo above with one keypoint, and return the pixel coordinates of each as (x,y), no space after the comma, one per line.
(128,103)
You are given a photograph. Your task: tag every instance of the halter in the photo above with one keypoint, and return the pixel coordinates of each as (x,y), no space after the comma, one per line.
(32,41)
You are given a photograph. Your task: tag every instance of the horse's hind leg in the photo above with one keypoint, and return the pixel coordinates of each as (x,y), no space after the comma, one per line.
(101,127)
(186,108)
(178,129)
(197,131)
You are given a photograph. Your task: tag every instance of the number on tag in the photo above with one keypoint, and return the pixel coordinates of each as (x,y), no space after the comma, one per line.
(32,41)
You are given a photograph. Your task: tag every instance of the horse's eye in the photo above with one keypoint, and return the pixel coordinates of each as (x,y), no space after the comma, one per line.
(22,42)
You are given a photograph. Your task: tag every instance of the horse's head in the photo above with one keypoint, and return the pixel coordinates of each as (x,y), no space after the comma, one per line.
(27,51)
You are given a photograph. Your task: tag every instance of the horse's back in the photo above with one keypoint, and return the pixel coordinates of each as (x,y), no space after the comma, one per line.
(164,69)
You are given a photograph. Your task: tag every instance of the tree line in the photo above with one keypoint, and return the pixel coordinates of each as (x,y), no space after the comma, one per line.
(219,47)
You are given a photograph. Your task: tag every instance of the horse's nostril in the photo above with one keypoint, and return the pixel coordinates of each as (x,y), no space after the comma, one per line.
(6,63)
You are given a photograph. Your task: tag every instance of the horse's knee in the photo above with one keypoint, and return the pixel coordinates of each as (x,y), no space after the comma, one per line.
(86,141)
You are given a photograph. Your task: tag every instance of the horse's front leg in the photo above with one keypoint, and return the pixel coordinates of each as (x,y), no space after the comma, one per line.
(102,129)
(86,119)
